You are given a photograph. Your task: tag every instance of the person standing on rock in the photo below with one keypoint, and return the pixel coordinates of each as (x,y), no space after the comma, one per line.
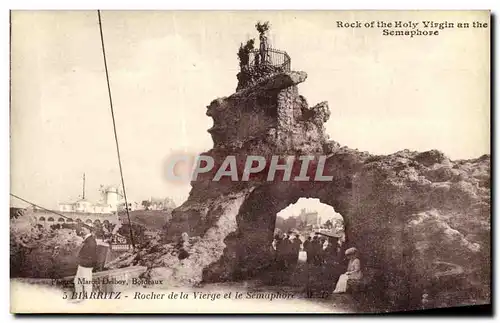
(316,249)
(262,28)
(283,255)
(280,258)
(307,249)
(274,247)
(87,261)
(331,268)
(279,251)
(290,251)
(330,253)
(321,251)
(183,245)
(296,243)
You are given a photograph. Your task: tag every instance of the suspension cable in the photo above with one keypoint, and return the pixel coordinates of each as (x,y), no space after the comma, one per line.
(114,128)
(41,207)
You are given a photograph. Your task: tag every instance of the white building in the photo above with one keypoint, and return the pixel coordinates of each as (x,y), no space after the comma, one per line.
(84,211)
(110,204)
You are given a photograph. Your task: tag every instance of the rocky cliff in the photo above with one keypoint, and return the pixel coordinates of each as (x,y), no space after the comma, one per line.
(403,211)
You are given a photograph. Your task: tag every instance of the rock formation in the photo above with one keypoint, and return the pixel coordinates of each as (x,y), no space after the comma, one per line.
(402,211)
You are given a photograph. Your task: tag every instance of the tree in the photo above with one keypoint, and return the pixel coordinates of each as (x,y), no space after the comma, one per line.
(301,225)
(16,212)
(146,204)
(280,223)
(286,225)
(262,27)
(338,226)
(291,223)
(244,52)
(168,203)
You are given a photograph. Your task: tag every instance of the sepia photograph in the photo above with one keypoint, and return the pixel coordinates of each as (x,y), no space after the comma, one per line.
(182,162)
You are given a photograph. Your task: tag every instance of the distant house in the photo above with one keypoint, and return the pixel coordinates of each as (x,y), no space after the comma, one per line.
(158,204)
(309,218)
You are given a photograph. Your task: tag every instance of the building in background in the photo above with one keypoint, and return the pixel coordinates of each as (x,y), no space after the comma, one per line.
(311,218)
(104,212)
(111,201)
(158,204)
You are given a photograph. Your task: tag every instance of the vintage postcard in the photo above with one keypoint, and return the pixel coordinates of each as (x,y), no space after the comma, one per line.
(250,161)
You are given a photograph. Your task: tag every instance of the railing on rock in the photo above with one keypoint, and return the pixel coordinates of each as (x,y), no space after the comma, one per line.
(118,242)
(121,247)
(271,57)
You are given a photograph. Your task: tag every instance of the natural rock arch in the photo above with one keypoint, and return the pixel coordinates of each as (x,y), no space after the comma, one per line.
(256,220)
(403,211)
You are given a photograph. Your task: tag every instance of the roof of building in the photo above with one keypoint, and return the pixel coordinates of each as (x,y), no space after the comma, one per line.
(84,201)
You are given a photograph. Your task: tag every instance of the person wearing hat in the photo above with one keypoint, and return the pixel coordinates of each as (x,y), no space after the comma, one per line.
(295,250)
(353,271)
(87,261)
(280,252)
(307,248)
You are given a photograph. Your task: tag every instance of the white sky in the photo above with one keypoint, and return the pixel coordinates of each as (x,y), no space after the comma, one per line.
(325,211)
(385,93)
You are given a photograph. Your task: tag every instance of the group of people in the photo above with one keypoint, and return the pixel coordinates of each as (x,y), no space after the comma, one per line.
(287,248)
(321,253)
(326,260)
(322,250)
(319,250)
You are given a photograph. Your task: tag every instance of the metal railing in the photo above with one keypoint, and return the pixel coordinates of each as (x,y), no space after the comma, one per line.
(273,57)
(121,247)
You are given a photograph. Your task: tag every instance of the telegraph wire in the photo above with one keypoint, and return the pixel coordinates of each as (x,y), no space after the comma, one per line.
(114,126)
(40,207)
(54,212)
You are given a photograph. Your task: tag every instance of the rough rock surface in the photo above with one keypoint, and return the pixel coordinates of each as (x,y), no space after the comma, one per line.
(402,211)
(39,252)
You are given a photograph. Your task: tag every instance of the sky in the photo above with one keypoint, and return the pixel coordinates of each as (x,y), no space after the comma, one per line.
(325,211)
(385,93)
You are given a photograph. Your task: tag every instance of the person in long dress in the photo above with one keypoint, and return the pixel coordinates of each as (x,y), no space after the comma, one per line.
(353,271)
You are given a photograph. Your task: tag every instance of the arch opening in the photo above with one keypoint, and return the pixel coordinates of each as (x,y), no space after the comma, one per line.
(307,248)
(308,216)
(249,252)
